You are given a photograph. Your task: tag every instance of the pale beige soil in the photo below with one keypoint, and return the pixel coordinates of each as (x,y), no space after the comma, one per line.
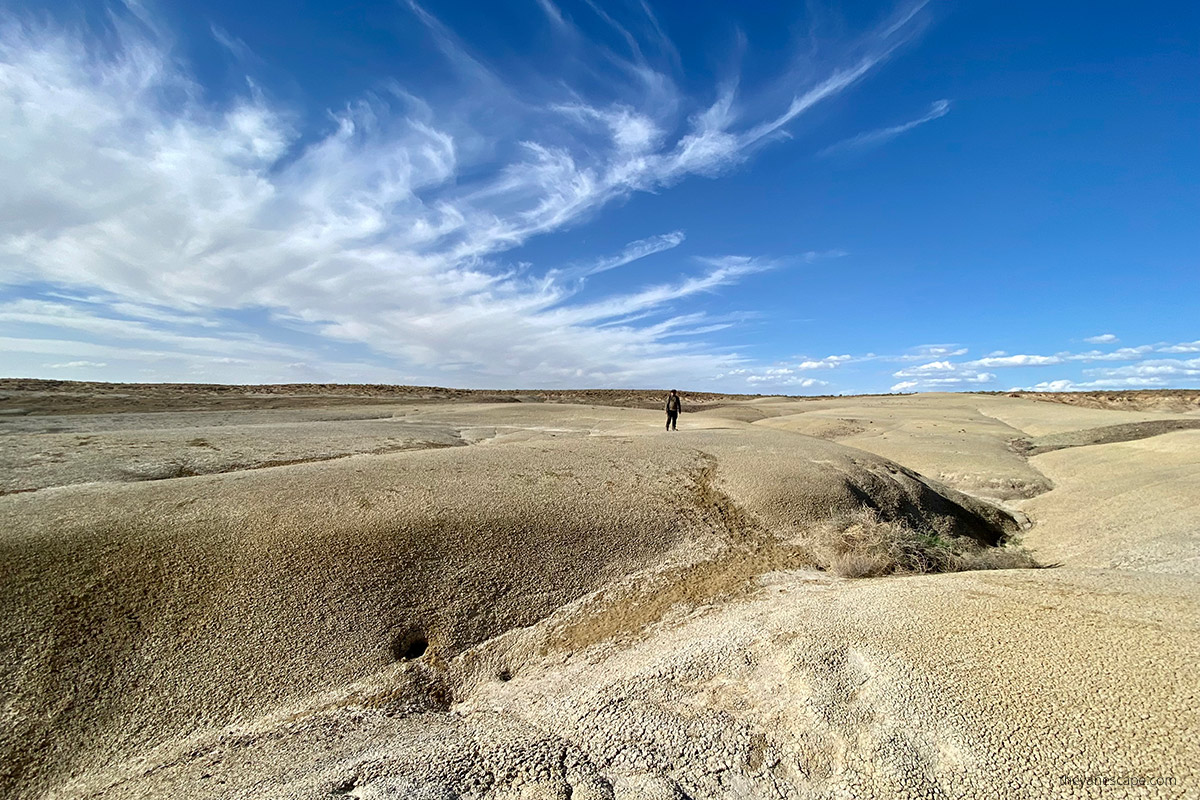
(1127,505)
(225,603)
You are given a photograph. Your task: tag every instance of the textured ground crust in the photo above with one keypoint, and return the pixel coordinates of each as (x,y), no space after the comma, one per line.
(421,595)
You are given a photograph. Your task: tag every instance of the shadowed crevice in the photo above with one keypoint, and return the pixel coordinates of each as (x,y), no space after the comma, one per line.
(1109,434)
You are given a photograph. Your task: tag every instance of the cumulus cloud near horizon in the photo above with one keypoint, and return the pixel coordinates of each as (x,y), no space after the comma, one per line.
(79,365)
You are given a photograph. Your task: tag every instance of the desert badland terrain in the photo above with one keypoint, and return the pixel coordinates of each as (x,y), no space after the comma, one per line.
(381,592)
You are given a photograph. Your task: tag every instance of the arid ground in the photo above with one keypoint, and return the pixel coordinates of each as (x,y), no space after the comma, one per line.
(389,592)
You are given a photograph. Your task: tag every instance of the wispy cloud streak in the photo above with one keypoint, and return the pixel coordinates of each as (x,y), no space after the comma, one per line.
(125,181)
(634,251)
(862,141)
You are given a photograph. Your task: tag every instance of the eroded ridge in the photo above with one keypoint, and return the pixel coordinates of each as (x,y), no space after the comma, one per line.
(1108,434)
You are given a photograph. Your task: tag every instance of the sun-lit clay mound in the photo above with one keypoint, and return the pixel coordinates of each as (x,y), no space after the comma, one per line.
(134,616)
(961,444)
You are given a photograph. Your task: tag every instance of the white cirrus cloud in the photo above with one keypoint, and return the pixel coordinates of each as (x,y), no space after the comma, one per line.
(634,251)
(938,109)
(125,181)
(1103,338)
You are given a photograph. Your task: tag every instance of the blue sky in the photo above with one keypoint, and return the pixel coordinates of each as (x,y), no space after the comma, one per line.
(801,198)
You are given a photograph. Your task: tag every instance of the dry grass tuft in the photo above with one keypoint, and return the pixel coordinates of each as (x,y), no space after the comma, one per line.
(862,545)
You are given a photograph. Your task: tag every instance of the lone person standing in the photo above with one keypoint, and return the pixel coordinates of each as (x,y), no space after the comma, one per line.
(674,406)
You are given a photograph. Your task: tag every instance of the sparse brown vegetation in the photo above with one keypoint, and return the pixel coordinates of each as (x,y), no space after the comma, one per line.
(862,545)
(1135,400)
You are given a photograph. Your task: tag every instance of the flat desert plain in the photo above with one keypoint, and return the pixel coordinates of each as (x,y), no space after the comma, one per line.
(389,592)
